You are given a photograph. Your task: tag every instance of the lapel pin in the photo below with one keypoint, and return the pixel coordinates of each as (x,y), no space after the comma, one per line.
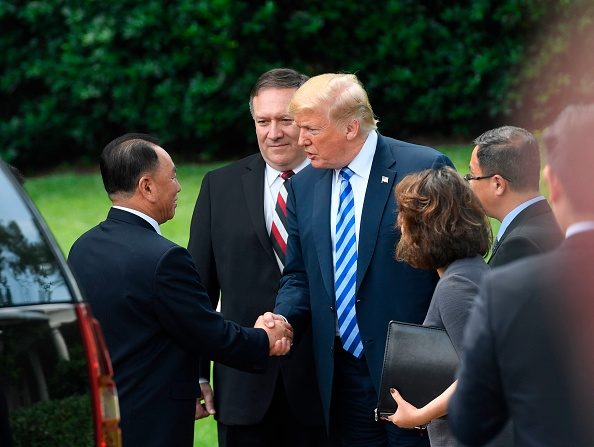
(384,179)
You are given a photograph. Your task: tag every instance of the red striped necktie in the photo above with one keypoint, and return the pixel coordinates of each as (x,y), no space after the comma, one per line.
(278,231)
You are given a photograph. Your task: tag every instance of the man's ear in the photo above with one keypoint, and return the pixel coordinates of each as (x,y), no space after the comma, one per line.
(499,184)
(552,183)
(146,188)
(352,130)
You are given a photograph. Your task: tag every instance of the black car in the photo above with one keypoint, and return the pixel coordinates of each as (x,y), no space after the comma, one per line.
(56,379)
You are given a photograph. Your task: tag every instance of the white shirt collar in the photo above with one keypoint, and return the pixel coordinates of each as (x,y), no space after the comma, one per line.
(149,219)
(579,227)
(361,164)
(272,174)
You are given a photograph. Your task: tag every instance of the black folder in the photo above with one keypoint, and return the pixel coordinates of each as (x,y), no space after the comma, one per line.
(419,361)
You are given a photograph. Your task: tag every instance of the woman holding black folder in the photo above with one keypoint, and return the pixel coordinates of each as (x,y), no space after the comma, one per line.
(444,227)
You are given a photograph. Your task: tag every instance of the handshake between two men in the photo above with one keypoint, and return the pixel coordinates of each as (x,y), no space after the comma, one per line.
(279,331)
(280,340)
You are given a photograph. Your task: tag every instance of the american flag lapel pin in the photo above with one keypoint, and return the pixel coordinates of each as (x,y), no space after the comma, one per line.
(384,179)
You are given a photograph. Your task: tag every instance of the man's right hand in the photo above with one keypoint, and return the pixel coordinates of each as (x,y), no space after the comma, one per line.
(279,331)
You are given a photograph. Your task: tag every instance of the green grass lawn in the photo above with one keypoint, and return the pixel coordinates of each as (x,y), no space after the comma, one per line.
(72,203)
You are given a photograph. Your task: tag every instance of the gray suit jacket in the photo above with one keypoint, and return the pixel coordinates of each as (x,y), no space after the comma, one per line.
(450,307)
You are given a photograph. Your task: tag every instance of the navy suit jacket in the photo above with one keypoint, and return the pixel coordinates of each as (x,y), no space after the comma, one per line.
(233,254)
(533,231)
(157,321)
(386,290)
(528,352)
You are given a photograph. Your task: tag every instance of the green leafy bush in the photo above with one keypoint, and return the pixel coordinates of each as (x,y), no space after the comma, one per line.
(77,74)
(558,68)
(55,423)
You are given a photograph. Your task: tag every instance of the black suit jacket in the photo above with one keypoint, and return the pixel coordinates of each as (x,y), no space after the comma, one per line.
(532,232)
(386,290)
(233,254)
(528,352)
(157,320)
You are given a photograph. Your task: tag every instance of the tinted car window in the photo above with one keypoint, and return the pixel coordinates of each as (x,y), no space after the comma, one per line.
(44,378)
(29,271)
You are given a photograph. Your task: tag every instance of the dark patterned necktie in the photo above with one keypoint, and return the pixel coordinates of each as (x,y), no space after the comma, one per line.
(278,231)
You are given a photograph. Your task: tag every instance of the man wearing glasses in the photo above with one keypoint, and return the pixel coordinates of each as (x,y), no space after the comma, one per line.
(505,174)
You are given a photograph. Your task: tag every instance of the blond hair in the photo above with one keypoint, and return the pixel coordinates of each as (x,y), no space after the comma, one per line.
(342,95)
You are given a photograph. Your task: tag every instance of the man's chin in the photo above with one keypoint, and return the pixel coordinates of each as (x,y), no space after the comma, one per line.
(318,164)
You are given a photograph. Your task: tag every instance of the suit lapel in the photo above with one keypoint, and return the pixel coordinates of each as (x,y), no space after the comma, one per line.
(494,249)
(379,188)
(321,219)
(253,188)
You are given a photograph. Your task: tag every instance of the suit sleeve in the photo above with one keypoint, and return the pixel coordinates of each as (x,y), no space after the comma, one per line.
(200,244)
(441,161)
(292,300)
(184,310)
(477,410)
(200,247)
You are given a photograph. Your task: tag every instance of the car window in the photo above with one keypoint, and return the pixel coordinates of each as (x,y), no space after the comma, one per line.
(29,271)
(44,375)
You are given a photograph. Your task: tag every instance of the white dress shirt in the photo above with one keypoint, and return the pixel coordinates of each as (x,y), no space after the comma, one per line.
(579,227)
(361,167)
(149,219)
(272,185)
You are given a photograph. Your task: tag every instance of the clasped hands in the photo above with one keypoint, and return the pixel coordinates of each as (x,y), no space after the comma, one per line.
(279,331)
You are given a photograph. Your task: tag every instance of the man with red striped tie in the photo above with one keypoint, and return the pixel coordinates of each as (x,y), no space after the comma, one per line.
(238,240)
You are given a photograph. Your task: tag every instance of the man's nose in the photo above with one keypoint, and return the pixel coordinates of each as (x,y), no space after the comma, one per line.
(275,131)
(303,140)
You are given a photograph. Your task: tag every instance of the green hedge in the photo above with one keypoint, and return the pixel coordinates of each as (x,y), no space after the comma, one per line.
(54,423)
(76,74)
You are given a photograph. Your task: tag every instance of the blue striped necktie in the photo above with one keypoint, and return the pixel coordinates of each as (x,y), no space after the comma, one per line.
(345,270)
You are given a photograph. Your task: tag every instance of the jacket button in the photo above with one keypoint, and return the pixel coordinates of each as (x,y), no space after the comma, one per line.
(358,301)
(332,308)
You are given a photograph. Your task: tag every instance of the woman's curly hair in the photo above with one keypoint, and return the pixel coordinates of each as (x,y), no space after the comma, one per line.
(440,218)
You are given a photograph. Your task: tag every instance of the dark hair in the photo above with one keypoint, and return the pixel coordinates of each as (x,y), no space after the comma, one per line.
(511,152)
(125,159)
(570,154)
(443,219)
(277,78)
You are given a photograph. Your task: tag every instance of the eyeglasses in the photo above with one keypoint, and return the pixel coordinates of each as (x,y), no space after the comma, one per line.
(469,177)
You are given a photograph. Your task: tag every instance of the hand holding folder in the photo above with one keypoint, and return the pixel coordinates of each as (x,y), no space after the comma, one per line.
(419,361)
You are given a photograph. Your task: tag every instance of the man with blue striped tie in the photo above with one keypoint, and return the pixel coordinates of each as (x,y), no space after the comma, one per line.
(340,275)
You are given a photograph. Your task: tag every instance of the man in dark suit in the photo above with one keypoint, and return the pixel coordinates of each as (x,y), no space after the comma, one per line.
(528,345)
(351,212)
(505,175)
(230,241)
(146,293)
